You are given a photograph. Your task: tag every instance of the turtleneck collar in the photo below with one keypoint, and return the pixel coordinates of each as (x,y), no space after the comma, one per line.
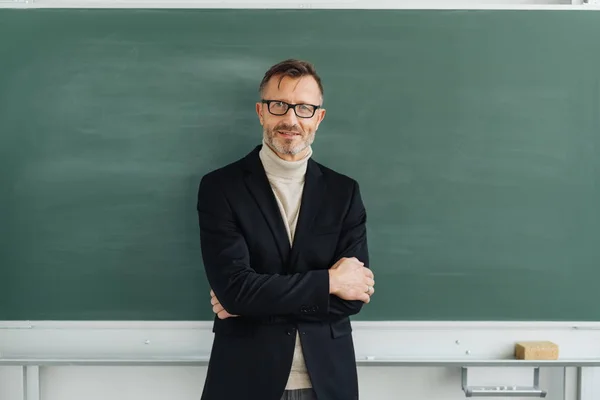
(278,167)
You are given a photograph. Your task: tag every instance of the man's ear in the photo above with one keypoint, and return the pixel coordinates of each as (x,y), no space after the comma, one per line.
(259,112)
(321,116)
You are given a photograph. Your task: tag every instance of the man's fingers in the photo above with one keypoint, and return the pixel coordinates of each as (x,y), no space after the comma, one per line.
(360,295)
(370,288)
(217,308)
(221,312)
(368,273)
(214,300)
(223,315)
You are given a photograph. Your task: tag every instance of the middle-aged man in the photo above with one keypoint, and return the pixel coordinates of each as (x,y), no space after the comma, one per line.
(284,246)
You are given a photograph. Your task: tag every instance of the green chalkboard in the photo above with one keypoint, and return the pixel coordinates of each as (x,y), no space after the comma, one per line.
(475,137)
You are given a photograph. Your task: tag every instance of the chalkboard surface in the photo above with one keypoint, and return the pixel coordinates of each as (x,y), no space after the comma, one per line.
(475,137)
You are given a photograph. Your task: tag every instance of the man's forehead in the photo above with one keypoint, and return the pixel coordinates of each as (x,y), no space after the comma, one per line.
(291,86)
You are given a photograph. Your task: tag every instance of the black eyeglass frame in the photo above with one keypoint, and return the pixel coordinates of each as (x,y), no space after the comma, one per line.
(292,106)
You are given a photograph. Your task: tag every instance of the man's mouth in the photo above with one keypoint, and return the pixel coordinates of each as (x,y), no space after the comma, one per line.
(288,133)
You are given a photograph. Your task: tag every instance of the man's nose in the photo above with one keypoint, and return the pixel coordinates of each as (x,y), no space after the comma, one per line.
(290,117)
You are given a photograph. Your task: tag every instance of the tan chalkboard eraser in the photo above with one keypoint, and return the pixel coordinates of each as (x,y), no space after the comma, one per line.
(542,350)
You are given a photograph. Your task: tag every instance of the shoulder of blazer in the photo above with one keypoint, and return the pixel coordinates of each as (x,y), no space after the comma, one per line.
(251,164)
(335,179)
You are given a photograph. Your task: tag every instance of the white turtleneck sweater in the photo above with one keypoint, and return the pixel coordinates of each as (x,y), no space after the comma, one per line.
(287,181)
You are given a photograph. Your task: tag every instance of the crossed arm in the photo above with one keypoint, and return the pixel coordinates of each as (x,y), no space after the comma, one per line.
(237,289)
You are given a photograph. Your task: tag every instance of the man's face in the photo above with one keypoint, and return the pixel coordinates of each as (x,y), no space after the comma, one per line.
(289,135)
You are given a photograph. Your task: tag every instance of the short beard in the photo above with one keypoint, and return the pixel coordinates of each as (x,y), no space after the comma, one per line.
(269,138)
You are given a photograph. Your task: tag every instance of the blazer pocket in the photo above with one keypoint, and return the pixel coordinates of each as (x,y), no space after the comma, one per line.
(233,326)
(340,328)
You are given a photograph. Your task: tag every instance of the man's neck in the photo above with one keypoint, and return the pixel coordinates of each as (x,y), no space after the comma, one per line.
(289,157)
(277,166)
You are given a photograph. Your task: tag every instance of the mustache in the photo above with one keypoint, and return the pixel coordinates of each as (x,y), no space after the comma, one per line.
(287,127)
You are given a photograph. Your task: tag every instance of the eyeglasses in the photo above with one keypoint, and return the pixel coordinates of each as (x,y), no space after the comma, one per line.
(279,108)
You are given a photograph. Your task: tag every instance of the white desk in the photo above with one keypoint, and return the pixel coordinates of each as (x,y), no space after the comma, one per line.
(464,346)
(32,391)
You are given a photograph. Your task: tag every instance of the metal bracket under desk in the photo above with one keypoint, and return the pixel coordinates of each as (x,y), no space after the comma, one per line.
(503,391)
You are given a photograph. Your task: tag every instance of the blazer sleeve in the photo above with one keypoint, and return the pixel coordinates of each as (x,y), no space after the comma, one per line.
(239,288)
(352,243)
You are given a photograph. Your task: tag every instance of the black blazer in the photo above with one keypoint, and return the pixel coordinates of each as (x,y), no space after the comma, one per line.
(278,289)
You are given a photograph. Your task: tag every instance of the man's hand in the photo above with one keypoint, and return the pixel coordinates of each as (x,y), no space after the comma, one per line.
(349,279)
(218,308)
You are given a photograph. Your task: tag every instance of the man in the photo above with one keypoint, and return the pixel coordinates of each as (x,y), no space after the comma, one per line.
(284,246)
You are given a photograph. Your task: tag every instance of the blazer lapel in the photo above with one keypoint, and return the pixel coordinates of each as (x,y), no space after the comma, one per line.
(312,195)
(258,185)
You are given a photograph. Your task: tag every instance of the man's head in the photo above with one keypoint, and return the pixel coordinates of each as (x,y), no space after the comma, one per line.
(287,132)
